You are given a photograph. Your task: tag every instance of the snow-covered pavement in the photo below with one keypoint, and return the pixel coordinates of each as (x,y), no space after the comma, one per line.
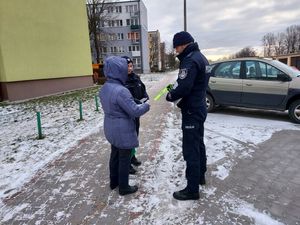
(228,139)
(22,154)
(231,135)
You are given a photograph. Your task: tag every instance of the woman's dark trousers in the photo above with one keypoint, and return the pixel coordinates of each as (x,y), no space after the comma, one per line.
(119,166)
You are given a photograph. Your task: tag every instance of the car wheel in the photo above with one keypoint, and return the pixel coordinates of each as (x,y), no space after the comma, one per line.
(210,104)
(294,111)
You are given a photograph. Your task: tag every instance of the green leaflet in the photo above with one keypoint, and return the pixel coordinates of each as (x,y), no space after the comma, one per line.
(161,93)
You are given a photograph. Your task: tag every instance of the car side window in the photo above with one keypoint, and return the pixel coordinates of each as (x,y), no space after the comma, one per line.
(251,71)
(229,70)
(269,72)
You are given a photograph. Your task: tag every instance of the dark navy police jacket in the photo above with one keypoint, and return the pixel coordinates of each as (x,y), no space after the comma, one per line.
(192,81)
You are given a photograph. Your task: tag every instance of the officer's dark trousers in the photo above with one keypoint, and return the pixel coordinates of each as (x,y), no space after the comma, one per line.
(137,125)
(203,158)
(119,166)
(193,148)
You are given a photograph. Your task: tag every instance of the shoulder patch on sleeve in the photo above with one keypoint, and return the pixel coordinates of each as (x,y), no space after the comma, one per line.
(208,69)
(182,73)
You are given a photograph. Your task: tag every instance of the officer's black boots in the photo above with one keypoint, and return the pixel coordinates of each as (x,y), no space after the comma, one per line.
(202,180)
(113,185)
(128,190)
(135,161)
(132,170)
(186,195)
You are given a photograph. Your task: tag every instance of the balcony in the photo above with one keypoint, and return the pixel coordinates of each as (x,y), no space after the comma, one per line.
(134,14)
(135,41)
(136,53)
(135,27)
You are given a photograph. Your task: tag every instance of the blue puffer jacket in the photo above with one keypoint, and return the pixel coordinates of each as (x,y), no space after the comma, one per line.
(120,110)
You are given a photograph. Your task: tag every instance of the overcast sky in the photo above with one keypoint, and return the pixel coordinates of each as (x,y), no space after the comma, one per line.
(222,27)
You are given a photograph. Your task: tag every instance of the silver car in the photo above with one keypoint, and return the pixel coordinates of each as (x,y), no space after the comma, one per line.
(254,83)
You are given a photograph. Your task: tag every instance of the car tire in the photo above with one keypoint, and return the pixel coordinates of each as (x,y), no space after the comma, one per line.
(294,111)
(210,104)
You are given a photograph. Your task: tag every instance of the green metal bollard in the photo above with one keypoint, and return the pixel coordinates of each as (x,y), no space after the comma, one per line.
(80,110)
(97,104)
(39,124)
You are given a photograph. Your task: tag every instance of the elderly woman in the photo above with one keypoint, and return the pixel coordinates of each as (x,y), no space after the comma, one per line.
(120,111)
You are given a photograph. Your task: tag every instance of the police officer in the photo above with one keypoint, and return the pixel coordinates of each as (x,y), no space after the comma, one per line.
(190,90)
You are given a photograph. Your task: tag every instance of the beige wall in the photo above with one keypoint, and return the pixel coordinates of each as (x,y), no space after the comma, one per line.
(43,39)
(291,60)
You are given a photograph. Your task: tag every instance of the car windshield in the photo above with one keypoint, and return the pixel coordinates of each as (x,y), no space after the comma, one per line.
(292,72)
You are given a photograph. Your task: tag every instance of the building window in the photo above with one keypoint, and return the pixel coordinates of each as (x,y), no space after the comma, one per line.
(119,23)
(102,37)
(112,37)
(111,23)
(120,36)
(121,49)
(115,23)
(117,49)
(110,9)
(135,22)
(103,50)
(113,49)
(134,36)
(118,9)
(131,8)
(133,48)
(130,22)
(102,24)
(137,62)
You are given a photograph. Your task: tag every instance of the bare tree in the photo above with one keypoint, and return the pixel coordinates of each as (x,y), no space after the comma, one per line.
(162,49)
(98,12)
(291,39)
(268,43)
(246,52)
(283,43)
(298,39)
(171,62)
(279,44)
(154,52)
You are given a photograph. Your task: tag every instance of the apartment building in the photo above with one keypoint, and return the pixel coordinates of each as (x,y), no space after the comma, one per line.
(126,33)
(154,50)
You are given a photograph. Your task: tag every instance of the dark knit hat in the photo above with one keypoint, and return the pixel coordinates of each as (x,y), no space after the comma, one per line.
(129,60)
(182,38)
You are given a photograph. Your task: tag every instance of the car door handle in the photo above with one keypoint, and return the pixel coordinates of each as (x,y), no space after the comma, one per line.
(249,85)
(213,81)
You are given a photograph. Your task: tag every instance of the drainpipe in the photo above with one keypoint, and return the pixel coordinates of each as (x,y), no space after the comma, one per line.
(141,50)
(184,15)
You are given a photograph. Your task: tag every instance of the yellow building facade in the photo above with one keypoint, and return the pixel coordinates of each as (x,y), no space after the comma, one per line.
(44,48)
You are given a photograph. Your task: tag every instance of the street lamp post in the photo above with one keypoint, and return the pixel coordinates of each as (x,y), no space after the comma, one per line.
(184,13)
